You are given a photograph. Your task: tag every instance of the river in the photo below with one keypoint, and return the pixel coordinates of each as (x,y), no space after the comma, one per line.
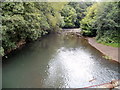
(57,61)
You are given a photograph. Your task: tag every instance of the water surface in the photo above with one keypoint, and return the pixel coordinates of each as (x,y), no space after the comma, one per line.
(57,61)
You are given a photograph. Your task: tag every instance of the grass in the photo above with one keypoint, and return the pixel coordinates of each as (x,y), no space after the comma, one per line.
(111,44)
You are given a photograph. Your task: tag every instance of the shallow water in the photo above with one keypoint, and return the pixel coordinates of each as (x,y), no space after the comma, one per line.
(57,61)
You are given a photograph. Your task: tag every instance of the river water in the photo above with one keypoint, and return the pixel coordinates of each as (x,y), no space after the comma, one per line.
(57,61)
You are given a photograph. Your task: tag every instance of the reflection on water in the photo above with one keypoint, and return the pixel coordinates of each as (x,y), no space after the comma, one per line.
(55,62)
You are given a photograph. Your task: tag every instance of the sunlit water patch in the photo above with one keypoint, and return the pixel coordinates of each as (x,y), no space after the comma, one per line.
(57,62)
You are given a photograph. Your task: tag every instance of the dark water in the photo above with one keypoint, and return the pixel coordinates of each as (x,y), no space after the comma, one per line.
(57,62)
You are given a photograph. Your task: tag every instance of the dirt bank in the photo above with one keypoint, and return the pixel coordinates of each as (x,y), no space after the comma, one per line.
(109,51)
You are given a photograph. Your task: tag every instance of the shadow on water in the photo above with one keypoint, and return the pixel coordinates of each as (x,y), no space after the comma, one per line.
(57,61)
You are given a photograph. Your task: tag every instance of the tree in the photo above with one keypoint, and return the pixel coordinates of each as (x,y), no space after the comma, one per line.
(108,22)
(26,21)
(88,22)
(102,20)
(69,15)
(80,8)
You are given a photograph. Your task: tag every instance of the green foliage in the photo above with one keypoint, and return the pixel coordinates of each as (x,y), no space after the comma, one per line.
(80,8)
(27,21)
(108,23)
(110,44)
(70,16)
(1,51)
(88,23)
(73,12)
(102,20)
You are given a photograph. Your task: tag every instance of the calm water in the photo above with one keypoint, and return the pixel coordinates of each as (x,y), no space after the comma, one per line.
(57,62)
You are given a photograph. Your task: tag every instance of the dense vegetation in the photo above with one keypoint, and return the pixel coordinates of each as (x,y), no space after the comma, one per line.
(102,20)
(26,21)
(73,13)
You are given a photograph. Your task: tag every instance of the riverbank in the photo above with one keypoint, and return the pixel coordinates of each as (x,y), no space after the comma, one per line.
(111,52)
(18,45)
